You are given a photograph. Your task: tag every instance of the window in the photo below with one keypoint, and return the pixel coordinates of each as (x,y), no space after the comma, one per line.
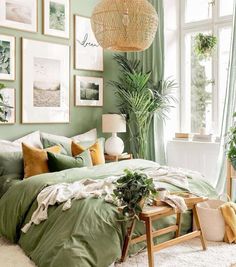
(203,81)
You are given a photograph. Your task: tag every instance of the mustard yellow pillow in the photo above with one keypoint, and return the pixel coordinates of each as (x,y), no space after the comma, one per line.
(35,160)
(96,152)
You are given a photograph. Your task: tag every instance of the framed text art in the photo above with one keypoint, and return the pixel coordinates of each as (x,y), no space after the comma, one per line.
(88,91)
(57,18)
(46,76)
(8,109)
(7,57)
(88,53)
(19,14)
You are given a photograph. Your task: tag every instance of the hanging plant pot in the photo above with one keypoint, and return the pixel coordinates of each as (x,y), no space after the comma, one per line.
(204,45)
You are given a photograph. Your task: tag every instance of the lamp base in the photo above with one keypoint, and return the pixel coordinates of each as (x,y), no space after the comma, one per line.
(114,145)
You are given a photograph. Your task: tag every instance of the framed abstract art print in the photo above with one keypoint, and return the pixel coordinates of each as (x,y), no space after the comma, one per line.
(8,106)
(46,76)
(19,14)
(7,57)
(88,91)
(88,53)
(57,18)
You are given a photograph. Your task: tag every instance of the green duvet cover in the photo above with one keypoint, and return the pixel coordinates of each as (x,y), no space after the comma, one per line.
(88,234)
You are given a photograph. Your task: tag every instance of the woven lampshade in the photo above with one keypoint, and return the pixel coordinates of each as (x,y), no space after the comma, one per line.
(124,25)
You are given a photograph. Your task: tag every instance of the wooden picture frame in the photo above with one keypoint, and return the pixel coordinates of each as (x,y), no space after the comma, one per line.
(7,57)
(88,54)
(19,14)
(9,99)
(89,91)
(56,18)
(45,82)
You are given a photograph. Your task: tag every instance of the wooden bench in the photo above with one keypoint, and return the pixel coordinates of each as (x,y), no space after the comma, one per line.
(152,213)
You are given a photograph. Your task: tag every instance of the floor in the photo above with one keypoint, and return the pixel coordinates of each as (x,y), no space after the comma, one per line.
(188,254)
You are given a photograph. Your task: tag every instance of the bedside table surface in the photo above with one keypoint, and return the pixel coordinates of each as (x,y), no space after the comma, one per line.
(120,157)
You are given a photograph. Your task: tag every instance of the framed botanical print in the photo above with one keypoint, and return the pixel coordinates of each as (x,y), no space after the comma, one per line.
(7,104)
(88,91)
(57,18)
(19,14)
(7,57)
(88,53)
(46,76)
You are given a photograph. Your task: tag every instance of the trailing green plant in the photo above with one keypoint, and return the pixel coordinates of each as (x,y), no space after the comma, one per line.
(231,143)
(132,190)
(205,45)
(139,99)
(3,106)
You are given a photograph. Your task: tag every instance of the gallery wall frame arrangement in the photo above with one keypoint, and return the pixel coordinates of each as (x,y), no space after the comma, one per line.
(45,82)
(7,57)
(19,14)
(88,53)
(88,91)
(8,109)
(56,18)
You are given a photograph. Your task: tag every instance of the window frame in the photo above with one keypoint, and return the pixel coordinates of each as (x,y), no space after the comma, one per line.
(214,25)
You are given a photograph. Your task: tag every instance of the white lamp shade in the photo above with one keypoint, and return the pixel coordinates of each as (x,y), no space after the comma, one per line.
(113,123)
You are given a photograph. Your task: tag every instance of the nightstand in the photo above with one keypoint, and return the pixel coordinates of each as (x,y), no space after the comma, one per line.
(124,156)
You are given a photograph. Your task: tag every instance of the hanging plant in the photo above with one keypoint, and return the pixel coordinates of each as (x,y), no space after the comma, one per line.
(204,45)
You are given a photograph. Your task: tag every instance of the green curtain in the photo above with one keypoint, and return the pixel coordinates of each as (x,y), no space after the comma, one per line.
(153,59)
(229,109)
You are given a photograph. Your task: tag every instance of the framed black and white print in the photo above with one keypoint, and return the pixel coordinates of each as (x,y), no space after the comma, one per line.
(7,57)
(19,14)
(57,18)
(88,91)
(8,109)
(88,53)
(46,76)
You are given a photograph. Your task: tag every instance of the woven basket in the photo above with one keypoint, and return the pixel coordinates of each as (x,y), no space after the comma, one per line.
(124,25)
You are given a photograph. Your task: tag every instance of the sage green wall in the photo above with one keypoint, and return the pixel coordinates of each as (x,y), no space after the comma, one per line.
(81,118)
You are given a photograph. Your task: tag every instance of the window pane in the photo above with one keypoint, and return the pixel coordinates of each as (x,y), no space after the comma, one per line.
(198,79)
(196,10)
(224,51)
(226,7)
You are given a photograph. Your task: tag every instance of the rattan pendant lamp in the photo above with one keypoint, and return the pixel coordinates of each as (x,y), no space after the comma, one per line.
(124,25)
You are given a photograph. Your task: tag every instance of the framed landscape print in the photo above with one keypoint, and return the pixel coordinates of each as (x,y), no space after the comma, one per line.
(7,57)
(19,14)
(46,76)
(57,18)
(88,53)
(7,103)
(88,91)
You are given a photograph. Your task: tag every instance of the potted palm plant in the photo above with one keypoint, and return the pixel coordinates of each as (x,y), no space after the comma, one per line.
(139,99)
(132,190)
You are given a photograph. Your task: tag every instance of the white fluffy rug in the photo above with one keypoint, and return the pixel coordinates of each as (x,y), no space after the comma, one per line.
(183,255)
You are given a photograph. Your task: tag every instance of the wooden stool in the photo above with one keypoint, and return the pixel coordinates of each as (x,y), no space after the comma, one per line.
(153,213)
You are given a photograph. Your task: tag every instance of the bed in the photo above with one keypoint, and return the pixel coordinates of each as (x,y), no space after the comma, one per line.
(91,232)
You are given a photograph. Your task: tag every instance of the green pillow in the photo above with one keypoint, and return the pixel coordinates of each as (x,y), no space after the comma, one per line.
(11,163)
(49,140)
(58,162)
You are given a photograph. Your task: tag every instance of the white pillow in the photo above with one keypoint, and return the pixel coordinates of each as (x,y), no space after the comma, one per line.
(32,139)
(7,146)
(88,136)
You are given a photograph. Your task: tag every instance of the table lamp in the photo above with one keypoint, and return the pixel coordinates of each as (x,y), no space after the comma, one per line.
(114,123)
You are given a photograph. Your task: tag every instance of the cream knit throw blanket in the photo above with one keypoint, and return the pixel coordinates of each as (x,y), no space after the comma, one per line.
(64,193)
